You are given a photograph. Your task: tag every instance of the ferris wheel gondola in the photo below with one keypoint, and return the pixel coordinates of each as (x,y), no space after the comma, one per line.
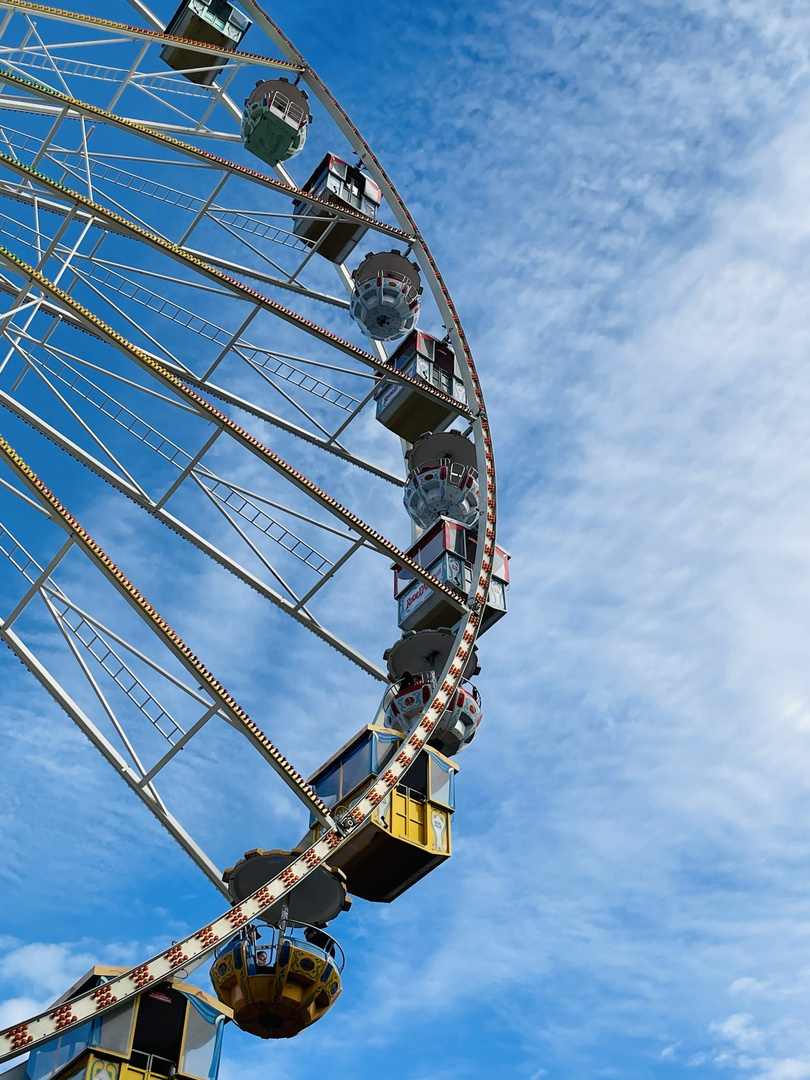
(222,313)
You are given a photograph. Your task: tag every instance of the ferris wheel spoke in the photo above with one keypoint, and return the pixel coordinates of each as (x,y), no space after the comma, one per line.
(259,360)
(177,648)
(328,574)
(244,503)
(239,226)
(353,414)
(238,222)
(259,369)
(88,638)
(33,366)
(191,126)
(222,507)
(36,580)
(236,433)
(232,505)
(100,630)
(225,496)
(230,398)
(195,947)
(212,551)
(121,674)
(289,283)
(108,273)
(108,751)
(262,361)
(271,361)
(60,607)
(75,112)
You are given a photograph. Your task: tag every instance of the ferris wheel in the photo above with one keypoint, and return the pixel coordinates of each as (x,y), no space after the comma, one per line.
(215,301)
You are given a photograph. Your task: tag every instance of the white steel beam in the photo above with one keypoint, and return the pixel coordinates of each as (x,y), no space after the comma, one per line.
(191,536)
(108,751)
(141,607)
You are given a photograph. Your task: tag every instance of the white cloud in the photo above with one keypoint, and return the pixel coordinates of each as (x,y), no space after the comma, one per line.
(786,1069)
(738,1029)
(46,969)
(746,985)
(14,1010)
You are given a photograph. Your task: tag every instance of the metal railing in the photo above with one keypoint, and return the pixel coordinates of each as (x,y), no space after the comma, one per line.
(295,934)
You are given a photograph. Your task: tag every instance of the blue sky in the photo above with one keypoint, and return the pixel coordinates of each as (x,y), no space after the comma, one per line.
(617,196)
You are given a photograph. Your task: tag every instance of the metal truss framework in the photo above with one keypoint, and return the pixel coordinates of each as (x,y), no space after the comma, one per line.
(97,643)
(188,463)
(77,179)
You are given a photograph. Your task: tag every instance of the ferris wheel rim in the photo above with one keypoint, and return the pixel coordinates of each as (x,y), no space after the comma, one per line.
(44,1025)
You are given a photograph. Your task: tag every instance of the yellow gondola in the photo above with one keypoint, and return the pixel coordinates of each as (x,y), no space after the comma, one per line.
(172,1030)
(279,987)
(409,832)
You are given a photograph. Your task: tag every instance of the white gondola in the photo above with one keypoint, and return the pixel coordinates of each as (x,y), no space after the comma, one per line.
(443,480)
(386,298)
(403,409)
(414,665)
(344,186)
(447,551)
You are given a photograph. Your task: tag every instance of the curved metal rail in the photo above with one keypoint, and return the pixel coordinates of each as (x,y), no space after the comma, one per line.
(38,1029)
